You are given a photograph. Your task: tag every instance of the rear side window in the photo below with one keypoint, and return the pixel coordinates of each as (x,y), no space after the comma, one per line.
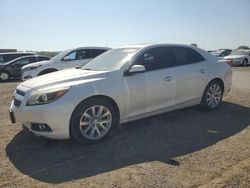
(184,56)
(32,59)
(157,58)
(95,53)
(1,59)
(9,57)
(42,58)
(83,54)
(23,61)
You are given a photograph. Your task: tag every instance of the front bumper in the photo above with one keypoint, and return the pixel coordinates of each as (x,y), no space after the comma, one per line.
(29,74)
(56,115)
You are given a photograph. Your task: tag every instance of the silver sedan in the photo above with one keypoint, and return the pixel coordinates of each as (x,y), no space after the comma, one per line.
(121,85)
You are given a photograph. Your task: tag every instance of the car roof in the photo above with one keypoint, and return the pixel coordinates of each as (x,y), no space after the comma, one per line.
(156,45)
(6,53)
(91,47)
(26,57)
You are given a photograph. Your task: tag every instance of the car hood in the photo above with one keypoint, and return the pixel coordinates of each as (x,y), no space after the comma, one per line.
(234,56)
(36,64)
(66,77)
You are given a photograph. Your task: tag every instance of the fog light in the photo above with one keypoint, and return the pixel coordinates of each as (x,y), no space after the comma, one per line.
(42,127)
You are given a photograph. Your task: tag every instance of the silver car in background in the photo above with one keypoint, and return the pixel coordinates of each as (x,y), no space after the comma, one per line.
(121,85)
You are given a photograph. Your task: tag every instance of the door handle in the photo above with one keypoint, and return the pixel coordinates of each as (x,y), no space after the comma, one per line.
(168,78)
(202,71)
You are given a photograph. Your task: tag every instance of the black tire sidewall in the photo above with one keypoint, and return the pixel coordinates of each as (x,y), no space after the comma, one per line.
(204,105)
(245,62)
(80,109)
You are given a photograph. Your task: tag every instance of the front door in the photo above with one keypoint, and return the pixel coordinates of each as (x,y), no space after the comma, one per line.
(153,89)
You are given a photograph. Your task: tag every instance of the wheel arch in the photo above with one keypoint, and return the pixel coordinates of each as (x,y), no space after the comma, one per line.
(105,97)
(218,80)
(7,71)
(47,70)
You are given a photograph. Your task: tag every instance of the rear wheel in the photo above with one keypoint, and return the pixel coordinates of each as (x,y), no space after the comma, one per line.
(93,120)
(212,96)
(4,76)
(244,63)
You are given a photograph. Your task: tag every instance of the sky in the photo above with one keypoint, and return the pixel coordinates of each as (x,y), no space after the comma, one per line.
(55,25)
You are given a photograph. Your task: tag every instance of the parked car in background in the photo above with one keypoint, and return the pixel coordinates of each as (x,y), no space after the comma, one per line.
(9,56)
(239,57)
(64,60)
(119,86)
(12,69)
(221,52)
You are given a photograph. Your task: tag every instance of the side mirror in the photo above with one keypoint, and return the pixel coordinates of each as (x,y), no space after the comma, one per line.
(65,58)
(136,69)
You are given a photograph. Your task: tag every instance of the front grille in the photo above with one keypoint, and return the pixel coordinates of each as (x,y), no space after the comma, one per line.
(20,92)
(17,103)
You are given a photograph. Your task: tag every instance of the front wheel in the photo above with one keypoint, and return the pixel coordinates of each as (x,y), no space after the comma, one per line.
(93,120)
(212,96)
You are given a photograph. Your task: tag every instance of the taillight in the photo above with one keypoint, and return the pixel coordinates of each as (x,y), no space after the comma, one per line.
(229,62)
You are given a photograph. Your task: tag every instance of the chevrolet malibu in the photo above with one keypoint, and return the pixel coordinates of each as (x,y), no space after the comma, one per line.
(119,86)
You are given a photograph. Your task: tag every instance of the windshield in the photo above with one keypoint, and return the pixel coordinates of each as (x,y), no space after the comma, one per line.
(237,52)
(60,55)
(217,52)
(111,60)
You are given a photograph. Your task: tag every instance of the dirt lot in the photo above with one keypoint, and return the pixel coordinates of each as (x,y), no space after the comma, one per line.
(185,148)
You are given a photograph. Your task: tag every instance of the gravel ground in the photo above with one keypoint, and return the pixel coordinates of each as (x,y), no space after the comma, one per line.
(184,148)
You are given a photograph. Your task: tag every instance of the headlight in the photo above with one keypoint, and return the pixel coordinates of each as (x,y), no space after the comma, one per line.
(47,96)
(31,68)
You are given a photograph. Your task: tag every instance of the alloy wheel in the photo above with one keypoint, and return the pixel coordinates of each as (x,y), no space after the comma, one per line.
(4,76)
(95,122)
(214,95)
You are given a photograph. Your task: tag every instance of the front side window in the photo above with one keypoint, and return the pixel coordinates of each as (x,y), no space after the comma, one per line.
(70,57)
(184,56)
(1,59)
(157,58)
(22,61)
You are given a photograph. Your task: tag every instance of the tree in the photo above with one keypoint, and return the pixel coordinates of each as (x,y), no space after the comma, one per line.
(243,47)
(47,53)
(194,44)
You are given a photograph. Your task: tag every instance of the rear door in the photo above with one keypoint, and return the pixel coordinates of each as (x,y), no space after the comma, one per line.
(18,64)
(191,73)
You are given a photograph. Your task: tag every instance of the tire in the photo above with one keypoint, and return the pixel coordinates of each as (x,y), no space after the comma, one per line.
(245,62)
(4,76)
(46,71)
(87,126)
(212,96)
